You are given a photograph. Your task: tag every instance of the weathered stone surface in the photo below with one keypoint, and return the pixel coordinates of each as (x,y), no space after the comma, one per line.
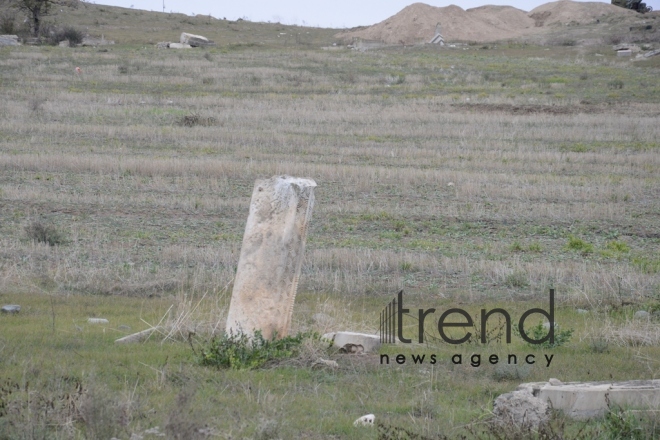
(642,314)
(9,40)
(11,308)
(163,45)
(271,256)
(582,400)
(521,408)
(179,46)
(195,40)
(652,53)
(354,342)
(98,321)
(367,420)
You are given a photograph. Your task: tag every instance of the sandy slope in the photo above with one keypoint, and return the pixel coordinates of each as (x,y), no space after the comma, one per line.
(417,22)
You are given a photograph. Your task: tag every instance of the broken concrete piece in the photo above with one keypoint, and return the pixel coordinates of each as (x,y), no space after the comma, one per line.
(11,308)
(98,321)
(583,400)
(367,420)
(624,53)
(195,40)
(271,256)
(354,342)
(521,408)
(9,40)
(137,337)
(179,46)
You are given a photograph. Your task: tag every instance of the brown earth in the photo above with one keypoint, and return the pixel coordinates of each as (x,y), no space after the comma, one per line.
(416,23)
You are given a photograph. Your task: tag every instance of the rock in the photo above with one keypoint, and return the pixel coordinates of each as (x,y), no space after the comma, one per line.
(642,314)
(179,46)
(11,308)
(367,420)
(9,40)
(98,321)
(271,256)
(555,382)
(195,40)
(521,408)
(163,45)
(64,43)
(137,337)
(627,46)
(582,311)
(624,53)
(320,362)
(651,53)
(354,342)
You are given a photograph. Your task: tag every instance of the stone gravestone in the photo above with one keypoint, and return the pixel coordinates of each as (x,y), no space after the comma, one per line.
(271,257)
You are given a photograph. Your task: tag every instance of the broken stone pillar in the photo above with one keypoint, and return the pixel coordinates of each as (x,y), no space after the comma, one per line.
(271,256)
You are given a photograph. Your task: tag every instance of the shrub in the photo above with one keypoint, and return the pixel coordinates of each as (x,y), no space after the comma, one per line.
(540,331)
(8,23)
(241,352)
(195,119)
(615,84)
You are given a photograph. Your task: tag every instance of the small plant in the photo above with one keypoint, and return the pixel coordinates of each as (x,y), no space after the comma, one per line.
(241,352)
(504,372)
(621,424)
(599,345)
(584,76)
(195,119)
(615,84)
(540,331)
(208,57)
(208,81)
(577,244)
(123,69)
(41,233)
(516,280)
(618,246)
(73,35)
(535,247)
(516,247)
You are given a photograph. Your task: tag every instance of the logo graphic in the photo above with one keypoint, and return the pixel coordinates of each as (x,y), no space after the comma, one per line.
(391,323)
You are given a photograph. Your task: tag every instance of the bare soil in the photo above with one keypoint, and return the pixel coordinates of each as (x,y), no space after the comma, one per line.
(417,23)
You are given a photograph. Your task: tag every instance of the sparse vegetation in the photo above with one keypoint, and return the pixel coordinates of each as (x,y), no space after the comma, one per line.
(469,178)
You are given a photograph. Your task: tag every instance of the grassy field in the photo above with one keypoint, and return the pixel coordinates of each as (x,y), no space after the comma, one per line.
(474,177)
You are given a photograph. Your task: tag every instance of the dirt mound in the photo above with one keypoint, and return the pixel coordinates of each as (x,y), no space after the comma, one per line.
(417,23)
(566,12)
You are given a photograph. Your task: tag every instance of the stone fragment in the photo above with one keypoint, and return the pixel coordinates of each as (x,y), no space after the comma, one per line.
(352,342)
(98,321)
(642,314)
(11,308)
(271,257)
(195,40)
(582,311)
(320,362)
(584,400)
(367,420)
(521,408)
(9,40)
(179,46)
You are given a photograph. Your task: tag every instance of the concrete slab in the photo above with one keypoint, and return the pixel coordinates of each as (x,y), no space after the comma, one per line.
(583,400)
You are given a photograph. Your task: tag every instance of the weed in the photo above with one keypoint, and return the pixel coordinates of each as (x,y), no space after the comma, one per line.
(647,265)
(579,245)
(535,247)
(615,84)
(503,372)
(208,81)
(42,233)
(195,119)
(599,345)
(540,331)
(123,69)
(516,280)
(208,57)
(516,247)
(241,352)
